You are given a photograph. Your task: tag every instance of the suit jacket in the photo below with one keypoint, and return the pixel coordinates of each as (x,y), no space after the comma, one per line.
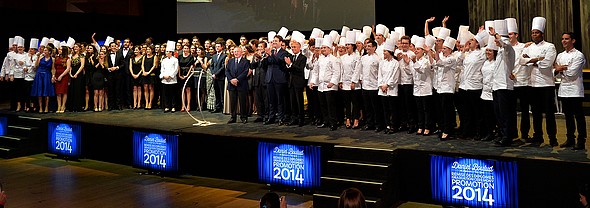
(218,65)
(118,62)
(259,73)
(237,71)
(126,59)
(277,68)
(296,71)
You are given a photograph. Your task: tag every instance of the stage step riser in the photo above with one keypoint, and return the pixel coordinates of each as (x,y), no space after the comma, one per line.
(322,201)
(29,121)
(13,141)
(362,154)
(357,170)
(23,131)
(336,185)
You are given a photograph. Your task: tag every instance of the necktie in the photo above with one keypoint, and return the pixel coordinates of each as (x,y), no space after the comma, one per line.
(295,57)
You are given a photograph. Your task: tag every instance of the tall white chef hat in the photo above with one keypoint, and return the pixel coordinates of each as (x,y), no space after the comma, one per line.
(450,43)
(488,24)
(491,44)
(501,27)
(400,30)
(350,37)
(389,45)
(344,31)
(44,41)
(334,36)
(318,42)
(170,46)
(316,33)
(430,41)
(539,24)
(413,39)
(465,36)
(15,40)
(10,42)
(57,44)
(367,31)
(361,37)
(20,42)
(435,31)
(327,41)
(381,29)
(63,43)
(283,32)
(512,25)
(395,36)
(482,38)
(443,33)
(71,42)
(342,41)
(298,36)
(109,40)
(419,42)
(462,28)
(34,43)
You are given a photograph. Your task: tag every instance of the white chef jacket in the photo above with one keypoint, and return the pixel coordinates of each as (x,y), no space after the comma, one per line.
(422,76)
(329,70)
(389,74)
(169,68)
(471,77)
(18,69)
(349,62)
(572,82)
(542,74)
(521,73)
(368,69)
(405,69)
(487,71)
(445,74)
(504,67)
(30,66)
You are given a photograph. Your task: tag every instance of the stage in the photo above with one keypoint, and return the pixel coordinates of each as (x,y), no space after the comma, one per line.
(230,151)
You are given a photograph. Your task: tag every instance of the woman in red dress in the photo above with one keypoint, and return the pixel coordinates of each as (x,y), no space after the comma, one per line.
(61,78)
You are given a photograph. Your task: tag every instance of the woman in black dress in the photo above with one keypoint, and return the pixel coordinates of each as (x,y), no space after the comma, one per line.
(135,68)
(98,80)
(186,61)
(88,70)
(150,63)
(77,85)
(200,70)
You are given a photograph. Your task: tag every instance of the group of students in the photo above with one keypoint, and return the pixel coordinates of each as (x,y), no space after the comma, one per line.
(390,82)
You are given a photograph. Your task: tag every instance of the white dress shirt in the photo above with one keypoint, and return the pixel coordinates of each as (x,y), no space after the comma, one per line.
(169,68)
(389,74)
(521,73)
(504,67)
(471,77)
(542,73)
(422,77)
(445,74)
(349,62)
(487,71)
(368,69)
(572,81)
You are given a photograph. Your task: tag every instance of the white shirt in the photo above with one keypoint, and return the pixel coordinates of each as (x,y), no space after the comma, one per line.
(487,72)
(169,68)
(30,66)
(329,70)
(572,81)
(389,74)
(504,67)
(405,69)
(521,73)
(445,74)
(422,76)
(309,54)
(18,70)
(379,50)
(368,69)
(349,63)
(542,74)
(460,56)
(471,77)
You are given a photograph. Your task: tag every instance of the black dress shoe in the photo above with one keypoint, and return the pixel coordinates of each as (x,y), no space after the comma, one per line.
(379,129)
(269,121)
(580,146)
(322,126)
(258,120)
(568,143)
(356,127)
(244,120)
(534,140)
(293,123)
(412,130)
(438,131)
(333,128)
(368,128)
(553,142)
(503,143)
(301,124)
(233,120)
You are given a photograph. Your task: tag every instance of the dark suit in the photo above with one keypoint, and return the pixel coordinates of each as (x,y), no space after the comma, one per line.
(115,81)
(297,85)
(238,71)
(276,82)
(126,86)
(218,69)
(259,85)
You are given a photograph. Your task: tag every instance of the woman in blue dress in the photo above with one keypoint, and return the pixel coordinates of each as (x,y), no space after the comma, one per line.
(44,78)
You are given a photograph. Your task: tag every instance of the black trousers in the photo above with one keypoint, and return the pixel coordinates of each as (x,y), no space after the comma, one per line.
(505,111)
(19,91)
(373,109)
(76,93)
(276,95)
(219,87)
(261,101)
(327,104)
(460,106)
(488,121)
(472,101)
(127,88)
(352,99)
(424,109)
(169,94)
(391,113)
(114,83)
(523,96)
(296,103)
(543,101)
(448,112)
(436,110)
(313,104)
(235,97)
(407,106)
(574,115)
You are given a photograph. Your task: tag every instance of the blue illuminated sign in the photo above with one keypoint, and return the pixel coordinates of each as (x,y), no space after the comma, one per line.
(64,139)
(473,182)
(3,125)
(155,151)
(290,165)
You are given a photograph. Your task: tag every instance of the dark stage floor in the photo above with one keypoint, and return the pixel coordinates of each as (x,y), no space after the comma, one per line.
(183,123)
